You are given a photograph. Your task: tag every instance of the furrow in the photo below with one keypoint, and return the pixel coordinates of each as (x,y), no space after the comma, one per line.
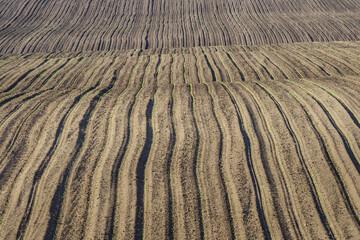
(254,176)
(60,192)
(310,179)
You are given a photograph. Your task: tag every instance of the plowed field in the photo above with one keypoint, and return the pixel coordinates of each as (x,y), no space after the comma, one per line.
(194,119)
(83,25)
(214,142)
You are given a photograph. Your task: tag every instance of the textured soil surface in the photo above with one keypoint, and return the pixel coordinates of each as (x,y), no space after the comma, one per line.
(179,119)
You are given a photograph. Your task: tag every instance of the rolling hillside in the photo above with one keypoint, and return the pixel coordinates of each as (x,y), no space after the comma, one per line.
(47,26)
(245,142)
(197,119)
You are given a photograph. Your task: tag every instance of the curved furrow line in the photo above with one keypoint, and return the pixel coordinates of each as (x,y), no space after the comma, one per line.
(17,15)
(321,68)
(344,139)
(314,191)
(140,173)
(221,62)
(35,95)
(289,198)
(22,169)
(221,168)
(339,100)
(60,192)
(346,56)
(107,19)
(191,72)
(282,73)
(67,75)
(36,22)
(207,63)
(115,173)
(101,42)
(12,67)
(94,203)
(265,71)
(17,107)
(39,76)
(45,20)
(63,93)
(253,172)
(185,193)
(6,165)
(173,137)
(207,162)
(81,178)
(144,157)
(233,63)
(336,68)
(13,138)
(292,71)
(58,69)
(45,162)
(335,58)
(22,77)
(215,71)
(196,163)
(158,219)
(302,68)
(344,87)
(330,190)
(249,67)
(192,68)
(17,95)
(184,65)
(217,66)
(121,154)
(179,70)
(331,163)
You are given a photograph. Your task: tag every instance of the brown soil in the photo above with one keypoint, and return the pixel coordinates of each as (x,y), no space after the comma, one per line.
(179,119)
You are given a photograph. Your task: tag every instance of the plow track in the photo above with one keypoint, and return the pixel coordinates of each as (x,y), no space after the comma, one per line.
(225,142)
(28,26)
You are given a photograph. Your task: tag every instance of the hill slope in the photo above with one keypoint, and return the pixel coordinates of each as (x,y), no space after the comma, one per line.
(215,142)
(62,25)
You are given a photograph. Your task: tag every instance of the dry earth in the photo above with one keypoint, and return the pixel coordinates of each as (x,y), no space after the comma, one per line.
(83,25)
(213,142)
(179,119)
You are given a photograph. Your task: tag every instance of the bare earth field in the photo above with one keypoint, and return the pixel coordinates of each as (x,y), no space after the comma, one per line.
(84,25)
(196,119)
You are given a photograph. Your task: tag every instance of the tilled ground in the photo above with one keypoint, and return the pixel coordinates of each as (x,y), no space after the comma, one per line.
(205,142)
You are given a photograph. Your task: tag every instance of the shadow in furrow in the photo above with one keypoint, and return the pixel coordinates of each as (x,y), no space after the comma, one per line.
(57,70)
(170,230)
(14,153)
(22,77)
(249,160)
(195,164)
(115,176)
(140,173)
(351,114)
(210,67)
(232,61)
(222,177)
(272,183)
(343,138)
(36,94)
(19,105)
(39,172)
(333,168)
(58,198)
(314,193)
